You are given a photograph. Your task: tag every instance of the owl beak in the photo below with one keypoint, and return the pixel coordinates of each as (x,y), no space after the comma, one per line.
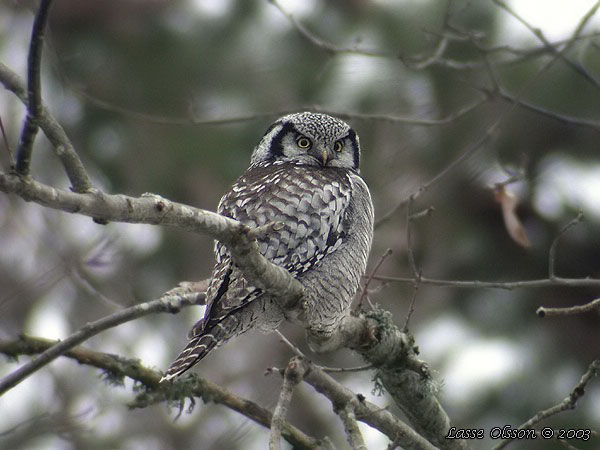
(324,156)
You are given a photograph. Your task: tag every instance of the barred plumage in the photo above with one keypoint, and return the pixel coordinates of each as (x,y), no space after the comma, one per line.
(303,174)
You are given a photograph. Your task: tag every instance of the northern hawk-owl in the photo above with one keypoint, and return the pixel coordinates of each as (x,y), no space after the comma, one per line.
(304,175)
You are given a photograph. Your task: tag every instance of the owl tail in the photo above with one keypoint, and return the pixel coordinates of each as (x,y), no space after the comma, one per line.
(200,344)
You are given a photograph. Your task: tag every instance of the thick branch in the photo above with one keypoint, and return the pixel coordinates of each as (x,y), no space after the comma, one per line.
(149,209)
(405,377)
(369,413)
(123,367)
(154,210)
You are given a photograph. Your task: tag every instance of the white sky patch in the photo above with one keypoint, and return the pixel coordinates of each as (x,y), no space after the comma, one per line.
(441,335)
(275,20)
(567,183)
(373,437)
(48,321)
(152,349)
(556,18)
(212,8)
(592,395)
(478,367)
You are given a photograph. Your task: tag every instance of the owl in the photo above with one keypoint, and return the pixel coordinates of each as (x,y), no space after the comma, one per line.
(304,176)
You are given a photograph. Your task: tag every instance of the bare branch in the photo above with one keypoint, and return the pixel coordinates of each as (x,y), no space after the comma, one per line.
(167,303)
(11,157)
(543,311)
(193,120)
(365,411)
(322,44)
(363,292)
(569,120)
(355,439)
(405,377)
(552,252)
(560,54)
(470,151)
(62,146)
(507,285)
(34,89)
(155,210)
(570,402)
(199,387)
(292,376)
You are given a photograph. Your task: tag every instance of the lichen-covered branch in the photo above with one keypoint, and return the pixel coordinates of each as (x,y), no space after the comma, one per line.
(372,415)
(404,376)
(118,367)
(167,303)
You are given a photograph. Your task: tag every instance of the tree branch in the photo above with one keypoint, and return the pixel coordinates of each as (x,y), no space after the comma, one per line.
(80,180)
(122,367)
(348,417)
(167,303)
(543,311)
(405,377)
(507,285)
(154,210)
(291,377)
(34,89)
(568,403)
(372,415)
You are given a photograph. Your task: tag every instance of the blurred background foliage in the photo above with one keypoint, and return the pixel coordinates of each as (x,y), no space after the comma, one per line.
(132,83)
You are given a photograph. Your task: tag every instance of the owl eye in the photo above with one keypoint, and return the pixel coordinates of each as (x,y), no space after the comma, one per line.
(338,146)
(303,142)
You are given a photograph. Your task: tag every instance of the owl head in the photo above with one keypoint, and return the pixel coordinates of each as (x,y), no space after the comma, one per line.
(310,139)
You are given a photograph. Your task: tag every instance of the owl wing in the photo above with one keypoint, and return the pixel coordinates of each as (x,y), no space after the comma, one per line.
(310,202)
(313,205)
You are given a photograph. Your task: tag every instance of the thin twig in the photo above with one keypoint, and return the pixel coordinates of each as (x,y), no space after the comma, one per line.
(552,252)
(62,146)
(506,285)
(363,293)
(345,369)
(191,120)
(560,54)
(168,304)
(287,342)
(292,376)
(492,128)
(34,89)
(411,307)
(11,157)
(570,402)
(411,257)
(594,305)
(409,249)
(563,118)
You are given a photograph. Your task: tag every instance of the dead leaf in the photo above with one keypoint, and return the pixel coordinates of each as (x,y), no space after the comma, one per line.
(514,226)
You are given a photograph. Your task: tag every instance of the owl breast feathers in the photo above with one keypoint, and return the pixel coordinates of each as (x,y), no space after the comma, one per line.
(304,176)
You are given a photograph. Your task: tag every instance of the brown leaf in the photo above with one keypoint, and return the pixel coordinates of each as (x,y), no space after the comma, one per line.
(514,226)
